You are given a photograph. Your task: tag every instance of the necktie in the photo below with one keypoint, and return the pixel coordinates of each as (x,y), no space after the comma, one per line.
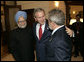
(40,32)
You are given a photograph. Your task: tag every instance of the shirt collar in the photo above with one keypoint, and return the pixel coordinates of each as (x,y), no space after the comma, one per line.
(56,29)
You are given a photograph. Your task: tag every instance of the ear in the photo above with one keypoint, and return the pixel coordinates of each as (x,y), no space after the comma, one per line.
(35,18)
(53,23)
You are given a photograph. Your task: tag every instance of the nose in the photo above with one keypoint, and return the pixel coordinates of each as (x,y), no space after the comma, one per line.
(23,23)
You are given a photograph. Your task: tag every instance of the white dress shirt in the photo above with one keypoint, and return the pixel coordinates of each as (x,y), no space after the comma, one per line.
(37,29)
(56,29)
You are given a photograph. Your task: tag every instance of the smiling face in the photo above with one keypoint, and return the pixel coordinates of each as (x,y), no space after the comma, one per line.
(22,22)
(40,17)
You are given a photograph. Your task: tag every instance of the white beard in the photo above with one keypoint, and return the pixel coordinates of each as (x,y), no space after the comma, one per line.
(22,26)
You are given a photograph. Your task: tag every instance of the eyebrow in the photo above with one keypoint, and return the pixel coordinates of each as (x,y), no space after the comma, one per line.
(41,16)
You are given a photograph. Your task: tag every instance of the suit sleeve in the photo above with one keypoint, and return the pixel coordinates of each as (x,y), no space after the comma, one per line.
(63,49)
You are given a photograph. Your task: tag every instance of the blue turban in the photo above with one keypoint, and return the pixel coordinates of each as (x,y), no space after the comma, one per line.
(19,14)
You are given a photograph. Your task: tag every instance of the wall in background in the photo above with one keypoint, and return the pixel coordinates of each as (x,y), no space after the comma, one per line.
(77,9)
(46,5)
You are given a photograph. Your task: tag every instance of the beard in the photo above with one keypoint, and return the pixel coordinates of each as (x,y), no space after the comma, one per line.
(22,26)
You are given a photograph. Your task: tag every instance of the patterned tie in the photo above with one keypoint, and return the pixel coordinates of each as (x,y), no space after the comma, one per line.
(40,32)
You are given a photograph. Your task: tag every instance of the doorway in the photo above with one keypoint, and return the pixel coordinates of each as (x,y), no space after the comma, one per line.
(9,24)
(30,18)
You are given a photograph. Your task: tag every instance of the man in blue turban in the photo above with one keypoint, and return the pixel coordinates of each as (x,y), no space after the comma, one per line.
(21,39)
(19,14)
(20,19)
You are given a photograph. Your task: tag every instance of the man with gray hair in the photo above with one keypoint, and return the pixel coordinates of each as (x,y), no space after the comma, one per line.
(59,45)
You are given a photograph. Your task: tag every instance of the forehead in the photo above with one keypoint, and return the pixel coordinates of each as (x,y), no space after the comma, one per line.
(39,13)
(21,18)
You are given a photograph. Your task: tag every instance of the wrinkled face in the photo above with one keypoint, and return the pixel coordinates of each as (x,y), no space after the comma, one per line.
(22,22)
(40,17)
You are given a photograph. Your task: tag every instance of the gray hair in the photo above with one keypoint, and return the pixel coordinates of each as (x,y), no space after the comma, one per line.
(38,10)
(57,16)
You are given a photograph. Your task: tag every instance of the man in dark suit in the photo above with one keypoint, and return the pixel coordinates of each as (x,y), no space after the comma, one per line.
(78,39)
(59,45)
(44,32)
(41,33)
(81,43)
(21,39)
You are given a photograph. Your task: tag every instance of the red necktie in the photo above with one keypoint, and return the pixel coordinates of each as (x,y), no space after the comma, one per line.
(40,32)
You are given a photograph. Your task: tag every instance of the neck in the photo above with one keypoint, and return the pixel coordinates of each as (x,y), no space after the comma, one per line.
(56,26)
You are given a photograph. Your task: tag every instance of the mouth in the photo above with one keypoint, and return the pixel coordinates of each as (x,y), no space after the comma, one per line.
(42,23)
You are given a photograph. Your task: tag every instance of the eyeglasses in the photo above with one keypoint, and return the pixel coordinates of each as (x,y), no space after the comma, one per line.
(21,21)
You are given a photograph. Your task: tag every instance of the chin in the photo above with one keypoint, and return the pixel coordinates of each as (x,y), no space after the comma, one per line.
(24,26)
(42,23)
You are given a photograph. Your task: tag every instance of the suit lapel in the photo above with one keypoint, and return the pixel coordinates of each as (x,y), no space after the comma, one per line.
(55,34)
(45,34)
(35,31)
(60,29)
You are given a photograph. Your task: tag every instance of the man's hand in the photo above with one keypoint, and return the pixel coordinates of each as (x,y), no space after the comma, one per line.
(69,32)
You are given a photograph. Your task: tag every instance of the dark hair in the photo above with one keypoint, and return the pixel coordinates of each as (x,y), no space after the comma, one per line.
(78,15)
(38,10)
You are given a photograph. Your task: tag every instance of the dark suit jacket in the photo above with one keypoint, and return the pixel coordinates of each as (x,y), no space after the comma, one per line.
(40,51)
(76,27)
(59,46)
(21,44)
(78,39)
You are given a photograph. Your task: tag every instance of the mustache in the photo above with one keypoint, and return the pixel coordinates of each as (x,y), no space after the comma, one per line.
(22,26)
